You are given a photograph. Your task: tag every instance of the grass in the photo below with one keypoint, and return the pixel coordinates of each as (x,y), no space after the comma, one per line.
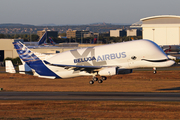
(138,81)
(82,110)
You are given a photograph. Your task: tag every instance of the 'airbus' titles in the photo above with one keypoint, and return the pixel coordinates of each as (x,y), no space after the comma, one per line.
(102,58)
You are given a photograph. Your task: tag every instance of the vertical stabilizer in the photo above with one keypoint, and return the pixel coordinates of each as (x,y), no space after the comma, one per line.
(33,61)
(24,53)
(43,39)
(9,67)
(52,41)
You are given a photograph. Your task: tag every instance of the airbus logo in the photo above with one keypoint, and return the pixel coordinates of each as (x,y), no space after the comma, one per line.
(111,56)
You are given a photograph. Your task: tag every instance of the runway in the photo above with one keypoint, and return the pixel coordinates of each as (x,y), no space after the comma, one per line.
(90,96)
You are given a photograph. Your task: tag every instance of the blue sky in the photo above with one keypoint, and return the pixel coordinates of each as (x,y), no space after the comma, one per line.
(64,12)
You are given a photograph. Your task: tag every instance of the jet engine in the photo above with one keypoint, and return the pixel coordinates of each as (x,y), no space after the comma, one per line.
(107,71)
(113,71)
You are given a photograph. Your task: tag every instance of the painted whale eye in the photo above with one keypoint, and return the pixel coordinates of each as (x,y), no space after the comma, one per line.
(133,57)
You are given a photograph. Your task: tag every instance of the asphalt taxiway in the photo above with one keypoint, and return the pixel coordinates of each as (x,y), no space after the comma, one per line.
(90,96)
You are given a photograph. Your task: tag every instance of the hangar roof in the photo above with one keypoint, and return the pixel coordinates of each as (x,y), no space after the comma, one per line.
(160,16)
(161,19)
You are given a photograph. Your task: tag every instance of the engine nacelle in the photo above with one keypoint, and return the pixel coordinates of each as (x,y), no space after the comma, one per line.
(107,71)
(113,71)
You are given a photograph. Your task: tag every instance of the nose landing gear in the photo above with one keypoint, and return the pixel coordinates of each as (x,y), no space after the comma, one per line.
(154,70)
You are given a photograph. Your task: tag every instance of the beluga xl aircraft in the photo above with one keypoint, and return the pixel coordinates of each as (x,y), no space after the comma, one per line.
(105,60)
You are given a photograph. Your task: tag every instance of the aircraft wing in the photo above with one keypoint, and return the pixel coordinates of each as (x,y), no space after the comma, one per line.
(77,67)
(93,69)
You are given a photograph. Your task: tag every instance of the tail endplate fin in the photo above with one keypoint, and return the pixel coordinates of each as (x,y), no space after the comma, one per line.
(9,67)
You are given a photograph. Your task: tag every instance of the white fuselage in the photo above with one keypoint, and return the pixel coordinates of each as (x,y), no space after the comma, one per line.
(127,55)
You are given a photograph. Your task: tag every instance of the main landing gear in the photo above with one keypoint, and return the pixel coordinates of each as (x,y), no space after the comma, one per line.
(96,79)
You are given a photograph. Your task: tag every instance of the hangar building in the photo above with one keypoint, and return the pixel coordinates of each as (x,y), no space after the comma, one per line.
(162,29)
(7,48)
(117,33)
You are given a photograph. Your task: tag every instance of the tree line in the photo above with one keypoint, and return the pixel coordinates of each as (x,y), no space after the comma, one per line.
(25,37)
(104,38)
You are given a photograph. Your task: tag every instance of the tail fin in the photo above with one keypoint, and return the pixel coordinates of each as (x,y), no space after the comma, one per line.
(51,41)
(33,61)
(24,53)
(95,40)
(43,39)
(9,67)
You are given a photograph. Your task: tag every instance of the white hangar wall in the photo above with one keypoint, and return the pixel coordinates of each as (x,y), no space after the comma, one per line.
(7,48)
(164,29)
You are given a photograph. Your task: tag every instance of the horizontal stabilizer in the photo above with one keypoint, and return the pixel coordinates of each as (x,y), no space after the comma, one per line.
(49,77)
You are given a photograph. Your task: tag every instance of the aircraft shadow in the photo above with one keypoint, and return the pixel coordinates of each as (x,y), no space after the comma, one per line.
(176,88)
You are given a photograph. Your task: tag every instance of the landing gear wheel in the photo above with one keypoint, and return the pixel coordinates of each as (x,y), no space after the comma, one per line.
(95,79)
(104,78)
(100,81)
(91,82)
